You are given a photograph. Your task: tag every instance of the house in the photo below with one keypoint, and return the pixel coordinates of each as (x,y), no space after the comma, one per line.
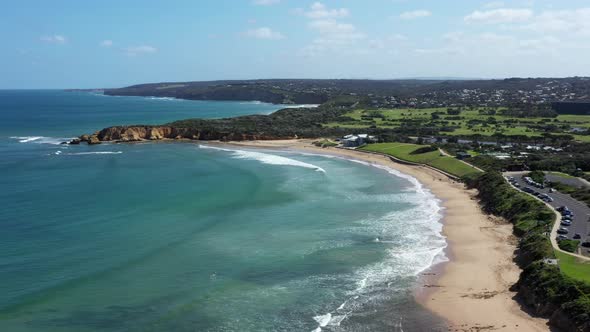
(462,155)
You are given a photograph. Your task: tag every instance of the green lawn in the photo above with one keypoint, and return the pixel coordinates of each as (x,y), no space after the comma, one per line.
(394,118)
(433,158)
(573,268)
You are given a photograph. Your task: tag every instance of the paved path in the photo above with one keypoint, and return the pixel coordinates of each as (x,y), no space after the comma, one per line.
(444,153)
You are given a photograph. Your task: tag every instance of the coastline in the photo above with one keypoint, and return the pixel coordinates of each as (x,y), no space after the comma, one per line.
(471,291)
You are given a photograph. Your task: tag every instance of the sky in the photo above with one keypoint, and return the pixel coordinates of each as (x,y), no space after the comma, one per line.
(108,43)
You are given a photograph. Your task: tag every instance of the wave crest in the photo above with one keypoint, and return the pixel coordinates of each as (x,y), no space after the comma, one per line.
(59,152)
(266,158)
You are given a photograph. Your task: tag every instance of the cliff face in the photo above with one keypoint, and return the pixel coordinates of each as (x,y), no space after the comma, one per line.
(154,133)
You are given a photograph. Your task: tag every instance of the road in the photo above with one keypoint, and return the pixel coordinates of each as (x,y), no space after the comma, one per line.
(580,222)
(574,182)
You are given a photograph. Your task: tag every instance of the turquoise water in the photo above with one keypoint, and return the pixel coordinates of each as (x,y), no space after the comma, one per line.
(196,237)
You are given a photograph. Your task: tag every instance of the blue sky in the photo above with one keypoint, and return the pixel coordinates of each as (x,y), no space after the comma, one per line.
(70,44)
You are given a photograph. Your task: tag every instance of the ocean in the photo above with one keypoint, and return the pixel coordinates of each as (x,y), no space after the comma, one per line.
(199,237)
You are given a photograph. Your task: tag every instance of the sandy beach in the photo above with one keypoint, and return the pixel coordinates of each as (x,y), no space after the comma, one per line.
(471,291)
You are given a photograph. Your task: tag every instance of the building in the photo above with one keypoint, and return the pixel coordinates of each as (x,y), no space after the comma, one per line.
(462,155)
(352,141)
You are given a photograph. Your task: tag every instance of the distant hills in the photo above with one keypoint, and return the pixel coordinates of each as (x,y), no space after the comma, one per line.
(423,92)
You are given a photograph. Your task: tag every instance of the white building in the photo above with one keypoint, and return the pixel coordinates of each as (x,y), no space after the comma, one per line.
(351,141)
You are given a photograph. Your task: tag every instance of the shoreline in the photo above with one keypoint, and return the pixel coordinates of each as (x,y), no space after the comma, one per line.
(470,291)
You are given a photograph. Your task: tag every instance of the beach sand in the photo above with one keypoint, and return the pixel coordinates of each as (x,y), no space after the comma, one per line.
(471,291)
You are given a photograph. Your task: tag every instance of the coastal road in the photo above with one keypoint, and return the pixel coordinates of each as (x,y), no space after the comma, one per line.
(580,221)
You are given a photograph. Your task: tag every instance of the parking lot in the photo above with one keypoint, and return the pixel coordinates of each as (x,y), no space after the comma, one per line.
(580,222)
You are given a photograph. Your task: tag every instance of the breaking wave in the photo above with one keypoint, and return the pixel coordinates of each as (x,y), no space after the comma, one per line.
(266,158)
(417,244)
(41,139)
(59,152)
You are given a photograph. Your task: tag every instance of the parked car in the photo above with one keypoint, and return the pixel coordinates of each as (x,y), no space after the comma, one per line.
(562,208)
(561,237)
(577,236)
(586,244)
(562,230)
(566,223)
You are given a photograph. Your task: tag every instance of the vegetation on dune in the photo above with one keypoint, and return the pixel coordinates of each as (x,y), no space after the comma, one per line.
(549,290)
(568,245)
(325,143)
(552,291)
(423,155)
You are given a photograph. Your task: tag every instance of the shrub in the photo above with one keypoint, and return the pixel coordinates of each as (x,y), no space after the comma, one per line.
(424,149)
(568,245)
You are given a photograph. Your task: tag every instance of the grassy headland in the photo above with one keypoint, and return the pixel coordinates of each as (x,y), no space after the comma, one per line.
(423,154)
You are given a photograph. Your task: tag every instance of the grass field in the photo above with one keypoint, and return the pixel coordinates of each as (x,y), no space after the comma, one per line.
(573,268)
(404,151)
(468,122)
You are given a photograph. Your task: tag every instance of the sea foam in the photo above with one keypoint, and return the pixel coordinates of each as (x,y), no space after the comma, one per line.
(41,139)
(266,158)
(60,153)
(419,244)
(164,98)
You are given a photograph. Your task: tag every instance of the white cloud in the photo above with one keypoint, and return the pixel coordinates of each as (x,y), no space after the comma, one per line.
(319,11)
(501,15)
(55,39)
(139,50)
(398,37)
(106,43)
(453,37)
(263,33)
(332,27)
(494,4)
(411,15)
(576,21)
(265,2)
(332,36)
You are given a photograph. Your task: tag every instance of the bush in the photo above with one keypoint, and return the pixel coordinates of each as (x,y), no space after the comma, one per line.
(424,149)
(568,245)
(537,176)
